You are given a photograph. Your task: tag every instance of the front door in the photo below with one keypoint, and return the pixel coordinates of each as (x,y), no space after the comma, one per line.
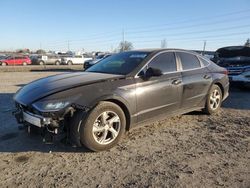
(159,95)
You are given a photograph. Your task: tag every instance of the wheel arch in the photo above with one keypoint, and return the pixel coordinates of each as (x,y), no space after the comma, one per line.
(124,109)
(216,82)
(118,101)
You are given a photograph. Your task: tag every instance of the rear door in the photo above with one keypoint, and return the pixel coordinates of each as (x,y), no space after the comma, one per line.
(196,80)
(78,59)
(160,94)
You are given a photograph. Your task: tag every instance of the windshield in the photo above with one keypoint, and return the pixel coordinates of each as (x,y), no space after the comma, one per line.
(122,63)
(100,56)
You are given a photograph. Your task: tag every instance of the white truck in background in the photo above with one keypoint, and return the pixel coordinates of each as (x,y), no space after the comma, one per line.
(75,60)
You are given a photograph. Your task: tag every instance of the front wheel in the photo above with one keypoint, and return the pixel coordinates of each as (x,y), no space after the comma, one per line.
(41,63)
(213,101)
(103,127)
(3,63)
(70,63)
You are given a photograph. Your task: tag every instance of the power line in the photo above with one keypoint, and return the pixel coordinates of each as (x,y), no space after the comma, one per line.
(111,34)
(198,32)
(195,19)
(192,25)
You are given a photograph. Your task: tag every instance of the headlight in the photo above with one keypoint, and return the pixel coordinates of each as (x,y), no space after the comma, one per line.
(50,105)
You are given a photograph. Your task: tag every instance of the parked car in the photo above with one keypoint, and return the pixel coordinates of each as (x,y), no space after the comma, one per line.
(90,63)
(15,60)
(47,60)
(236,59)
(99,105)
(3,57)
(78,59)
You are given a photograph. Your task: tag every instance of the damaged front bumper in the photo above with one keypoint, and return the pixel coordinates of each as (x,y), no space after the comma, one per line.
(47,123)
(33,119)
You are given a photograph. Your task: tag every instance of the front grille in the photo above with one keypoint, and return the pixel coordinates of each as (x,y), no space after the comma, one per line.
(234,72)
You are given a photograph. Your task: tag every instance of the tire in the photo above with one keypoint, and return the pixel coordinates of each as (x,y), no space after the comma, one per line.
(93,133)
(213,101)
(24,64)
(70,63)
(57,63)
(4,64)
(41,62)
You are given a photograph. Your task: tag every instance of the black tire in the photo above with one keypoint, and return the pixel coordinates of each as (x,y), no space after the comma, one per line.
(41,63)
(208,106)
(57,63)
(3,63)
(70,63)
(83,127)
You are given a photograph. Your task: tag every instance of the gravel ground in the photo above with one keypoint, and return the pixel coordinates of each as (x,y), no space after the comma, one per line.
(192,150)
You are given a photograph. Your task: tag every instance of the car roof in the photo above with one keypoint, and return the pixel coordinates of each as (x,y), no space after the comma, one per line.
(157,50)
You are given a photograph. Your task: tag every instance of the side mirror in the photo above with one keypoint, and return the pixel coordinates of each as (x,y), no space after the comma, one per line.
(150,72)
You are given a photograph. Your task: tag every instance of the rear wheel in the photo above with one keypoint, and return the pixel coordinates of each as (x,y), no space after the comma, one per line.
(70,63)
(41,62)
(102,128)
(214,100)
(57,63)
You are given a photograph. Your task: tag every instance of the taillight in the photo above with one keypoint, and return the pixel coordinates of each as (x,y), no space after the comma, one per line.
(225,72)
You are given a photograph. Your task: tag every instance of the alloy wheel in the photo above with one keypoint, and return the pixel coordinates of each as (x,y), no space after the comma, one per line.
(106,127)
(215,99)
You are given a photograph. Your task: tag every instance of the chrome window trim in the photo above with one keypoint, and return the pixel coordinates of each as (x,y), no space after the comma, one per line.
(178,61)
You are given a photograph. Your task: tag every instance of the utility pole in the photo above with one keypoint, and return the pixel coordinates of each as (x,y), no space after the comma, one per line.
(40,45)
(164,43)
(68,45)
(204,46)
(123,40)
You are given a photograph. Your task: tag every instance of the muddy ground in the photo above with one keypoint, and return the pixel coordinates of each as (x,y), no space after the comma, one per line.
(192,150)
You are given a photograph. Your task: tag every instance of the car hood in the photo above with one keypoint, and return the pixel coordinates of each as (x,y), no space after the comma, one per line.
(53,84)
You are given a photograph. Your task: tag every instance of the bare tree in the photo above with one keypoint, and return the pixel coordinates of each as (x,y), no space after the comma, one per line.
(125,46)
(40,51)
(247,43)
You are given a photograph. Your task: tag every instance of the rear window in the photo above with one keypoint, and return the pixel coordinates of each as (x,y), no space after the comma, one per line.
(188,61)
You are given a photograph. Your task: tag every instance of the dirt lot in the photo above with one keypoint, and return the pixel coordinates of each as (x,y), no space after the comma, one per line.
(192,150)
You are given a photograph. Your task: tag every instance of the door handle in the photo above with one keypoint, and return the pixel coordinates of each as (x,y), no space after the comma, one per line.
(176,82)
(206,76)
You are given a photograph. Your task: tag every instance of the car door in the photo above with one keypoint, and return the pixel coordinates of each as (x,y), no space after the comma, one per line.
(79,59)
(196,80)
(11,61)
(50,60)
(158,95)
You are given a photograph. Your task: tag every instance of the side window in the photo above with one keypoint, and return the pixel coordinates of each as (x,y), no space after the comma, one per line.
(205,62)
(164,62)
(188,61)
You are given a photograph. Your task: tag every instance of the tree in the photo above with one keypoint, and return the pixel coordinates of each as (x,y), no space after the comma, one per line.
(26,50)
(125,46)
(40,51)
(247,43)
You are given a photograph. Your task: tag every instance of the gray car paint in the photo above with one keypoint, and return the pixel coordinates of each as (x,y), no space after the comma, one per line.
(141,98)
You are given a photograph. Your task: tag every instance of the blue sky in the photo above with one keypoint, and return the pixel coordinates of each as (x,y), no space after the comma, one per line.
(99,24)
